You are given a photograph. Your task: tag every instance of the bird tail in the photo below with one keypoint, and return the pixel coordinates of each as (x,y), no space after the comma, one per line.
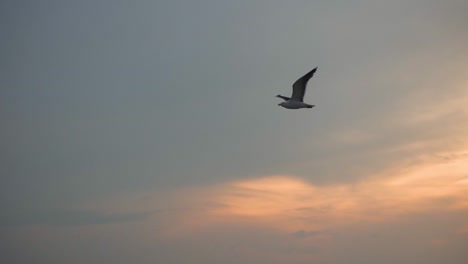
(310,106)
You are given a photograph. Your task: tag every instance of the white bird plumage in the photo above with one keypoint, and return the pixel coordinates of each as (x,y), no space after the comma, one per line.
(299,88)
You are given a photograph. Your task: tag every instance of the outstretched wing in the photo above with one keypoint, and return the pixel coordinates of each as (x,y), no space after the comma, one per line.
(299,86)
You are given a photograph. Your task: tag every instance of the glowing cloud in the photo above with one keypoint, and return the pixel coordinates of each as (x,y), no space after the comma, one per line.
(291,204)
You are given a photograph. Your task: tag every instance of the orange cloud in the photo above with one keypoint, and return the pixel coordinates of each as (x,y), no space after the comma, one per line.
(289,203)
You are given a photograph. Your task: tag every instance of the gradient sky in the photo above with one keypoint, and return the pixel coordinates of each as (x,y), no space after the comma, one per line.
(148,132)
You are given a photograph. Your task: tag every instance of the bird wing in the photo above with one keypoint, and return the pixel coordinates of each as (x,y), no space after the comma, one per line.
(299,86)
(283,97)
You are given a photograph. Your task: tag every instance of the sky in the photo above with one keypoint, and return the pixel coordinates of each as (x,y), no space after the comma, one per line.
(149,132)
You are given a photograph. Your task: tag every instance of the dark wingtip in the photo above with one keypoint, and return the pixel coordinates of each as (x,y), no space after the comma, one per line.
(312,71)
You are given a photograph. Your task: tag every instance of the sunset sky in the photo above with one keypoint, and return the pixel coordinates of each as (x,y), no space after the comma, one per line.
(148,132)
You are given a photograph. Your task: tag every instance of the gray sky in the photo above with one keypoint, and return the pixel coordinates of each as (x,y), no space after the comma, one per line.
(148,131)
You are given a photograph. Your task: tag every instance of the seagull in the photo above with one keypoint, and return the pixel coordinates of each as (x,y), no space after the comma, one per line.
(299,88)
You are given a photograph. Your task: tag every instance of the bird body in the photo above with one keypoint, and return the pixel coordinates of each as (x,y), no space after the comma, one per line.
(292,104)
(297,99)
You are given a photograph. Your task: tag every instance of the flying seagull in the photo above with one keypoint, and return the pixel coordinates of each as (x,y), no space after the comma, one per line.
(299,88)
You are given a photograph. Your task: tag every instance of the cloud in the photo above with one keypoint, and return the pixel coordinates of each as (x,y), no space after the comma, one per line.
(293,205)
(393,215)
